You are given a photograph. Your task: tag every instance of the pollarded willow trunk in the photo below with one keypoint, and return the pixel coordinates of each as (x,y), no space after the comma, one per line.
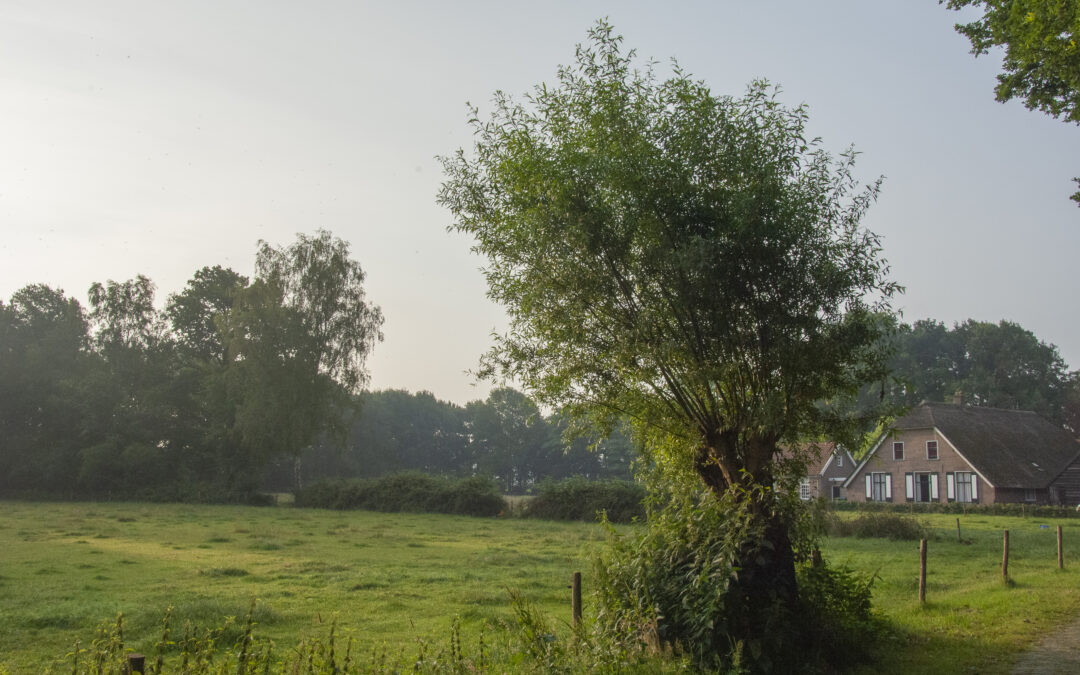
(764,595)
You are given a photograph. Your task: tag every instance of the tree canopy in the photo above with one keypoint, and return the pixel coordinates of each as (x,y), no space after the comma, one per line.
(692,260)
(1041,65)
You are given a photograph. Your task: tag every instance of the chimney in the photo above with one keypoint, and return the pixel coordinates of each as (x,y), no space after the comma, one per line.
(958,397)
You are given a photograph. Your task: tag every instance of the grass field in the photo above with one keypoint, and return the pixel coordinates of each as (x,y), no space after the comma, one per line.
(389,579)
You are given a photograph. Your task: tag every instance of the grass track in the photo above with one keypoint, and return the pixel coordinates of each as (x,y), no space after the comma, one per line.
(389,579)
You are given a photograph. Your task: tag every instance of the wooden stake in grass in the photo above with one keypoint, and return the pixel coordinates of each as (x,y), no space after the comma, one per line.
(575,598)
(1061,551)
(958,531)
(922,572)
(1005,559)
(136,663)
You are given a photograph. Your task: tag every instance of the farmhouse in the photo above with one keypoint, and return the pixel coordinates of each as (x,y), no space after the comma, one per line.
(942,452)
(826,471)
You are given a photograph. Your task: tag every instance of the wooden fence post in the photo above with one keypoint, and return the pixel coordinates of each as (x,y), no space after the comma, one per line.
(575,599)
(136,663)
(1005,559)
(958,531)
(922,572)
(1061,551)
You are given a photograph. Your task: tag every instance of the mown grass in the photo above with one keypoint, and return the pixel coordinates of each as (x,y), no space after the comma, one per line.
(388,579)
(972,620)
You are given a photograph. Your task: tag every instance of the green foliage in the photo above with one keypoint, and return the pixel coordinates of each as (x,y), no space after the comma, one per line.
(839,630)
(1042,51)
(578,498)
(883,525)
(674,585)
(999,509)
(409,492)
(999,365)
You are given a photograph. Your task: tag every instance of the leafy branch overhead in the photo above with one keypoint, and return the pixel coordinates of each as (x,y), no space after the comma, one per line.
(1041,65)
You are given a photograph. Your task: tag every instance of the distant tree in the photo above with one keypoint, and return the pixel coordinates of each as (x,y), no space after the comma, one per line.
(1000,365)
(133,408)
(1042,52)
(44,365)
(508,435)
(1072,403)
(297,340)
(690,260)
(198,312)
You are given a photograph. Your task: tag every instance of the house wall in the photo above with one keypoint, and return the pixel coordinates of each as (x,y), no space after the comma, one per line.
(1067,486)
(834,473)
(915,460)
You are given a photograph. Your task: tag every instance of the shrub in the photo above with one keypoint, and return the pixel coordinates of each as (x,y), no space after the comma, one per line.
(582,499)
(675,585)
(413,492)
(877,525)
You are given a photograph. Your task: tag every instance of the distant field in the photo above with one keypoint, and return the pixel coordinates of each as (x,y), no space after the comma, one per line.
(388,579)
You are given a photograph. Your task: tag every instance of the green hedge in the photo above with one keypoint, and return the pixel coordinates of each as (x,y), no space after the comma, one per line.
(581,499)
(415,492)
(1022,510)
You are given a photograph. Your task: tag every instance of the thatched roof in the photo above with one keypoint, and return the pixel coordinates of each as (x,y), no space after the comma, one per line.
(1010,448)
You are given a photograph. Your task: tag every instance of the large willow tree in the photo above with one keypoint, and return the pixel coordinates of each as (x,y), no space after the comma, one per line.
(688,259)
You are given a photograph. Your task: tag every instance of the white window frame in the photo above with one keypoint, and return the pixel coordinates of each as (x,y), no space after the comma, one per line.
(969,479)
(898,445)
(804,489)
(879,486)
(937,451)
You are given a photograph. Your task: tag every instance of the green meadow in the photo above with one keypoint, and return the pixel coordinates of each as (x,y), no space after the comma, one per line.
(390,579)
(385,578)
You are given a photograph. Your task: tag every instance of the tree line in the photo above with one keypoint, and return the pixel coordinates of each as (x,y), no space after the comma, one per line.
(239,385)
(192,401)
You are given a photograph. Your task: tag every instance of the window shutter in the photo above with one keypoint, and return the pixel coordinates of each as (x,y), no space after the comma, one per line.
(909,486)
(888,487)
(869,487)
(933,487)
(974,488)
(950,486)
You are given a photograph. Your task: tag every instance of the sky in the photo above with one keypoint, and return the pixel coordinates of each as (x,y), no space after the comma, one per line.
(156,138)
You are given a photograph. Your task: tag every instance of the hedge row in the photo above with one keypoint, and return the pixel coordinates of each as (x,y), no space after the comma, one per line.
(415,492)
(582,499)
(1041,511)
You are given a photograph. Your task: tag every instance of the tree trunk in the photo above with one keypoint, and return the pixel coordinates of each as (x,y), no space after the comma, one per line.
(765,591)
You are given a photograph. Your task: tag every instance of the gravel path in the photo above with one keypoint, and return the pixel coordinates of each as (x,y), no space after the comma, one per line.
(1057,654)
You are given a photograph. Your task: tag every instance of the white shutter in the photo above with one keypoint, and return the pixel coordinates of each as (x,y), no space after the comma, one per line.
(869,486)
(888,486)
(909,486)
(974,487)
(933,487)
(950,486)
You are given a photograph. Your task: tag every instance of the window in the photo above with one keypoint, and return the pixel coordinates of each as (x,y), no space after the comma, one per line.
(931,449)
(924,487)
(879,487)
(898,451)
(836,492)
(963,486)
(839,459)
(804,489)
(1029,494)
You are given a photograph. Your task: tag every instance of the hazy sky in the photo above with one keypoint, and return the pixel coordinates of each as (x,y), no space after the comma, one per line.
(157,138)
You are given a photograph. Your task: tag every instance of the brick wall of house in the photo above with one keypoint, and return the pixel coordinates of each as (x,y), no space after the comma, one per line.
(915,461)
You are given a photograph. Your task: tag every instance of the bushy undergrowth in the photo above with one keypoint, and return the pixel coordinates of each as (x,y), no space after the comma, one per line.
(675,584)
(582,499)
(408,492)
(877,525)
